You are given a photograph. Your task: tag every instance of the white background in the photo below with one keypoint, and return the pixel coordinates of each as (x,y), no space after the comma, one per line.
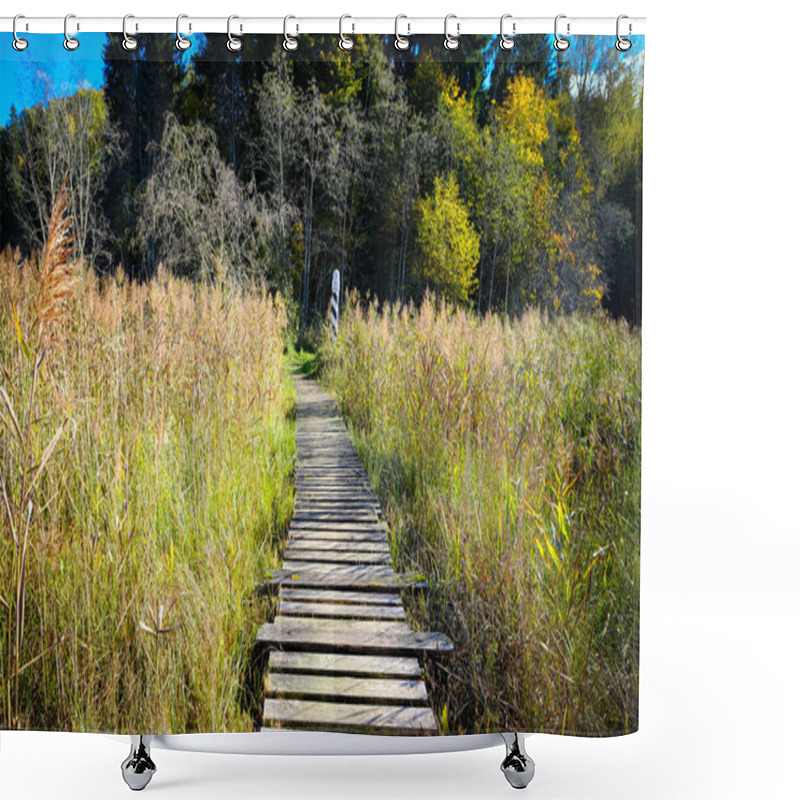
(720,552)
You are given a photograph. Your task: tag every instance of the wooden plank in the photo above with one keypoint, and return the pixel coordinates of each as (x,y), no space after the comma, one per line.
(346,687)
(327,500)
(331,472)
(343,510)
(334,504)
(328,476)
(343,463)
(339,596)
(291,608)
(371,638)
(344,664)
(369,526)
(334,493)
(348,717)
(339,576)
(352,537)
(333,484)
(359,628)
(336,557)
(345,545)
(335,516)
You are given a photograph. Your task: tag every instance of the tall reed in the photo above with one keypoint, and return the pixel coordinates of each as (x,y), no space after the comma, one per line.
(28,455)
(507,455)
(146,457)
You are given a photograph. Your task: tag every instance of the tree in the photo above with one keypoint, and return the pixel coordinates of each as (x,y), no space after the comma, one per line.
(202,222)
(141,86)
(552,259)
(316,147)
(66,141)
(447,246)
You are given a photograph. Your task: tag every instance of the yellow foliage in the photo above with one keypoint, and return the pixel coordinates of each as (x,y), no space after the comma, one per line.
(448,244)
(523,116)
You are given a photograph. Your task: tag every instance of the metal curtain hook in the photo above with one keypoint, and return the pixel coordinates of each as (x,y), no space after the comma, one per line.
(451,42)
(507,42)
(128,42)
(181,42)
(622,44)
(234,44)
(18,44)
(400,42)
(289,42)
(561,43)
(345,42)
(70,42)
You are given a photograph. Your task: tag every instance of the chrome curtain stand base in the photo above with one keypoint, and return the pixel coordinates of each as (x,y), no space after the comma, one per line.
(517,766)
(138,768)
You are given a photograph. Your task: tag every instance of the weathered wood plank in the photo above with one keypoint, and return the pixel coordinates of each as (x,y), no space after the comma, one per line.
(349,717)
(339,596)
(345,515)
(333,492)
(372,638)
(339,576)
(330,473)
(336,688)
(290,608)
(336,556)
(326,478)
(345,537)
(336,575)
(369,526)
(343,545)
(326,504)
(344,664)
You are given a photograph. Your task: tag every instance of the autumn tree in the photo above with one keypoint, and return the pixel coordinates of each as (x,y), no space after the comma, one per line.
(447,246)
(552,262)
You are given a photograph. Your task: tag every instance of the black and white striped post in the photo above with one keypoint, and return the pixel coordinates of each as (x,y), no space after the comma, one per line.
(335,304)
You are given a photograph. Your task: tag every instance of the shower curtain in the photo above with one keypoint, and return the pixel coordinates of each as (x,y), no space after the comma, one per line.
(215,514)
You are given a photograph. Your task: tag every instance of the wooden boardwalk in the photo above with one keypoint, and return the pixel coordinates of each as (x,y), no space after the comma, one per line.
(342,655)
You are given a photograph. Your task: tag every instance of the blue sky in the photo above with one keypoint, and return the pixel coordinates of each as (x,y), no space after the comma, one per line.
(22,75)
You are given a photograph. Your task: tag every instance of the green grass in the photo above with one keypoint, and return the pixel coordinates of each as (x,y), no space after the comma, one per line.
(301,361)
(507,458)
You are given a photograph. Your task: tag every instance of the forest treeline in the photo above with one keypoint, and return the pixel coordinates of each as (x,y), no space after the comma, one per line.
(499,182)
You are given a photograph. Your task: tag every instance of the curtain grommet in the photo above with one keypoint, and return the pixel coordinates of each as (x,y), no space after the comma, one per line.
(623,44)
(346,43)
(401,42)
(561,43)
(70,42)
(129,43)
(234,44)
(451,42)
(18,43)
(181,42)
(507,42)
(290,43)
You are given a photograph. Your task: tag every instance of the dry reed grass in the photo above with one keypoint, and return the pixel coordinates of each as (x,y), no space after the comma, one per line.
(507,456)
(162,411)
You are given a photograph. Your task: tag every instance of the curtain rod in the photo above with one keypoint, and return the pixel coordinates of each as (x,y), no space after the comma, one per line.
(408,26)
